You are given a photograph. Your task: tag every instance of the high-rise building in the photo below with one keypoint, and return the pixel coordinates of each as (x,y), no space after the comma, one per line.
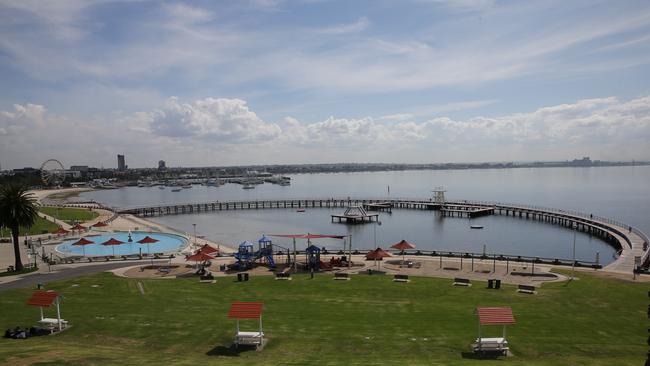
(121,163)
(161,165)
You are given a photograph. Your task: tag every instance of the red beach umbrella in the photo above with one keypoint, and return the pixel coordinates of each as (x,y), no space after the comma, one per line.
(60,231)
(377,254)
(99,224)
(403,245)
(83,242)
(199,257)
(207,249)
(112,242)
(78,227)
(148,240)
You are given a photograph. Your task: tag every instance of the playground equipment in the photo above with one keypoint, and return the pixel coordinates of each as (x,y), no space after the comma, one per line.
(313,257)
(246,255)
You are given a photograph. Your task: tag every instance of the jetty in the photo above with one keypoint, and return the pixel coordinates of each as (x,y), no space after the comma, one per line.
(631,243)
(355,215)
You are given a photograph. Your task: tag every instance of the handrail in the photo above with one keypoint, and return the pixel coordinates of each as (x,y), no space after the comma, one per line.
(453,254)
(572,214)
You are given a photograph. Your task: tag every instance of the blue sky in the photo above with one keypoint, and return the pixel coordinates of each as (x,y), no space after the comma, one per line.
(272,81)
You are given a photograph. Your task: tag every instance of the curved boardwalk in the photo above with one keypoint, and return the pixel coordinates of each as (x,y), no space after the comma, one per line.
(630,242)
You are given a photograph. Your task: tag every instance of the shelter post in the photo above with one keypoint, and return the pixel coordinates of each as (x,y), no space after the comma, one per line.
(295,262)
(58,313)
(350,253)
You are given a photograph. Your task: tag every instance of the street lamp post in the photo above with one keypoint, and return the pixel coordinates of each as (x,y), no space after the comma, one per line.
(375,232)
(573,263)
(194,235)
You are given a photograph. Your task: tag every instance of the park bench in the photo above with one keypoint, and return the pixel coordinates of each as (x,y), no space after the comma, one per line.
(286,276)
(461,282)
(342,276)
(401,278)
(206,278)
(527,289)
(485,345)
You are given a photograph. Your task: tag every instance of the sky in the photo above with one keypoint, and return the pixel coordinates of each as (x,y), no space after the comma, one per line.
(217,83)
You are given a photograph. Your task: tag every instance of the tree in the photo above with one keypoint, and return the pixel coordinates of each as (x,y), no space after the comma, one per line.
(18,208)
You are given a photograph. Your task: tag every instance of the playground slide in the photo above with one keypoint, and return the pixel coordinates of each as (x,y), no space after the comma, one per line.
(270,260)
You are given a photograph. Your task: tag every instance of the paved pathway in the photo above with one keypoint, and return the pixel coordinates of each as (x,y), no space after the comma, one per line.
(65,272)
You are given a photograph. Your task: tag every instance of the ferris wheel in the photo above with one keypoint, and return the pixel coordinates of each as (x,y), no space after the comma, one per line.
(52,172)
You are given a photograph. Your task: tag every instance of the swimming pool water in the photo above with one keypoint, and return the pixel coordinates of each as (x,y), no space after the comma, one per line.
(166,243)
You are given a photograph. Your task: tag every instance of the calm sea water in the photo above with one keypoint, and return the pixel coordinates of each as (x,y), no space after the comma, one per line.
(621,193)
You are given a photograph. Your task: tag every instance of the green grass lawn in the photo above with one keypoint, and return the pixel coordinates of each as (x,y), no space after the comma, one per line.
(366,321)
(41,226)
(68,214)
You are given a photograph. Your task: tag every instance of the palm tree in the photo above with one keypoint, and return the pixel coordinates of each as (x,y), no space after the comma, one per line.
(18,208)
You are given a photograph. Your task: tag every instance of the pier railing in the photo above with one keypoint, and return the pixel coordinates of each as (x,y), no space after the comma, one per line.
(461,255)
(616,227)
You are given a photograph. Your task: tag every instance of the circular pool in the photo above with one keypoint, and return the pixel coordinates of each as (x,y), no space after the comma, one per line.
(166,243)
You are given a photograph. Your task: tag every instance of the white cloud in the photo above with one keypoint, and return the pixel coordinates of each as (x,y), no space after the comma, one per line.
(219,120)
(354,27)
(219,131)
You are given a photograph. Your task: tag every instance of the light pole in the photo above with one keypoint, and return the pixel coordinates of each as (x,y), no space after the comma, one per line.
(573,263)
(194,235)
(375,232)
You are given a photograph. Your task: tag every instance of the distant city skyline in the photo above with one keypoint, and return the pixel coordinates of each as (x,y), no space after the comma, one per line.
(212,83)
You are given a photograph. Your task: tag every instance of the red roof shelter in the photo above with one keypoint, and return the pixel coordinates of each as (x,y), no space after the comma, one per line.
(493,316)
(45,299)
(310,236)
(247,310)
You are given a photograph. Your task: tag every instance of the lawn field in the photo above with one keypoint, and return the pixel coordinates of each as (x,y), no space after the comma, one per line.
(69,215)
(366,321)
(41,226)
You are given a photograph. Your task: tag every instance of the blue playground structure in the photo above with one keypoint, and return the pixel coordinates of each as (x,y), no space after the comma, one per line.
(247,256)
(313,257)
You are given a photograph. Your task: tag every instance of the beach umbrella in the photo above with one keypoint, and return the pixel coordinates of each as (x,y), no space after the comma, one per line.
(78,227)
(60,231)
(403,245)
(83,242)
(112,242)
(148,240)
(207,249)
(99,224)
(199,257)
(377,254)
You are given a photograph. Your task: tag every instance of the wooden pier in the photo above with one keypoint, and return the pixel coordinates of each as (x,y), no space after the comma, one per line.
(379,206)
(628,241)
(355,215)
(451,210)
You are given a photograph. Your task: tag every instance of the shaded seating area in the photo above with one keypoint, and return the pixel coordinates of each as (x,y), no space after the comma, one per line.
(493,316)
(246,311)
(45,299)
